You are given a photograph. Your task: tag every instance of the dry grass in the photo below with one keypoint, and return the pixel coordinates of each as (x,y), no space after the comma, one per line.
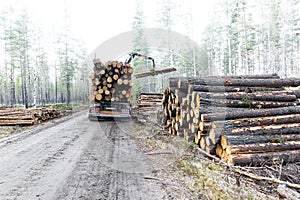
(187,174)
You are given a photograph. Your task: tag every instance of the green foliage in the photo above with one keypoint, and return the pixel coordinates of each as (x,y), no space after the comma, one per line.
(276,140)
(62,106)
(247,101)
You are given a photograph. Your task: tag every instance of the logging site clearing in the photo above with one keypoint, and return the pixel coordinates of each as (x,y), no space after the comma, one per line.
(228,137)
(150,100)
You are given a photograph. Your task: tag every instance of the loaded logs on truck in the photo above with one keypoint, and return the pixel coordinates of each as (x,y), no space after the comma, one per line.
(245,120)
(111,81)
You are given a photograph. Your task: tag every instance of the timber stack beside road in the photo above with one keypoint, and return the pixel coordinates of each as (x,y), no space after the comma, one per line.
(244,120)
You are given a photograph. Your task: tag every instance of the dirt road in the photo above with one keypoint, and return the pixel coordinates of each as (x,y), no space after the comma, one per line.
(76,159)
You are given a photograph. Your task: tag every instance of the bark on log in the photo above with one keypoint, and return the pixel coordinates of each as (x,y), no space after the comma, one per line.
(287,193)
(212,88)
(246,103)
(276,83)
(250,113)
(155,72)
(252,139)
(277,129)
(263,147)
(265,158)
(259,121)
(259,96)
(257,76)
(16,122)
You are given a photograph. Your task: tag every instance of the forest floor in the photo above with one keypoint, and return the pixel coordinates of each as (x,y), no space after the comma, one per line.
(73,157)
(191,172)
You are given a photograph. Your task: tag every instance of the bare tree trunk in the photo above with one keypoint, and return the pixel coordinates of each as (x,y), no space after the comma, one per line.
(25,87)
(56,97)
(34,91)
(12,89)
(68,86)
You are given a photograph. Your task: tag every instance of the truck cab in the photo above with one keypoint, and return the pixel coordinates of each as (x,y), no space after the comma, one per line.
(110,110)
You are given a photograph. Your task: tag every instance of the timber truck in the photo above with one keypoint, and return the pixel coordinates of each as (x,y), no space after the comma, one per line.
(111,90)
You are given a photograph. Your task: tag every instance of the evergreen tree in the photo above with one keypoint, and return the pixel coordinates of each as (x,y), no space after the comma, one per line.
(140,46)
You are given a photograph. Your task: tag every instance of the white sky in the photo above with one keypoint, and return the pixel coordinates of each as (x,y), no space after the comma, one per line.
(95,21)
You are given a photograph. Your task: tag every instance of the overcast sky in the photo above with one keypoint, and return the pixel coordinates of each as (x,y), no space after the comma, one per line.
(95,21)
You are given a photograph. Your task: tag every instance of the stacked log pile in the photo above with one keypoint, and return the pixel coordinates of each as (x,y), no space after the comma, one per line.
(111,81)
(149,102)
(245,120)
(12,116)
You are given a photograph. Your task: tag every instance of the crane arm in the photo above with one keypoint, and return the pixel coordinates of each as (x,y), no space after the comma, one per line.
(133,54)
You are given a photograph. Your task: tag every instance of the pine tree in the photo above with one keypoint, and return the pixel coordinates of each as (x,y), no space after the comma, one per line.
(140,46)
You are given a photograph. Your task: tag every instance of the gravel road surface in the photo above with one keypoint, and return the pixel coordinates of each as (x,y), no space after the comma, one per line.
(77,159)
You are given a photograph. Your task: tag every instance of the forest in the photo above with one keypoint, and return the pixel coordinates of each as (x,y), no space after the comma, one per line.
(242,37)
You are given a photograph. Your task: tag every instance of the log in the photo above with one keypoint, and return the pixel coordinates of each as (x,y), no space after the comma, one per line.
(276,83)
(16,122)
(256,76)
(277,129)
(207,109)
(259,96)
(247,122)
(250,113)
(19,117)
(212,88)
(262,147)
(260,159)
(253,139)
(287,193)
(155,72)
(246,103)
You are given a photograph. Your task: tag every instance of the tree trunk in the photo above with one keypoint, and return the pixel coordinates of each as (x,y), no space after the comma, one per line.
(68,88)
(12,93)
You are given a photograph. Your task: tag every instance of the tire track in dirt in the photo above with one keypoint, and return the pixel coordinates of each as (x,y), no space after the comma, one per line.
(76,159)
(28,160)
(105,180)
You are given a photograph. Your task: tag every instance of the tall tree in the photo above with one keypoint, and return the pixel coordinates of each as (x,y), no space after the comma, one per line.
(166,56)
(140,46)
(22,50)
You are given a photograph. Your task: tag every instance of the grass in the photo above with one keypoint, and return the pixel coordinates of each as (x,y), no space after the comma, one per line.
(192,174)
(9,130)
(212,181)
(62,106)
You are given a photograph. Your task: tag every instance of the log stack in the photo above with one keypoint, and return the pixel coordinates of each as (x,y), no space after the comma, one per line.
(13,116)
(245,120)
(111,81)
(149,102)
